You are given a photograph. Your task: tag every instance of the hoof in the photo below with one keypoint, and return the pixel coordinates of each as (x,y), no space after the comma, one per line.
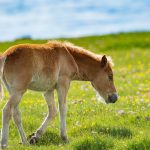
(29,137)
(33,140)
(65,139)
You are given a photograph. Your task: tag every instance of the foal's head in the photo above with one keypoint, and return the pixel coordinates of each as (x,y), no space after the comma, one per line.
(103,81)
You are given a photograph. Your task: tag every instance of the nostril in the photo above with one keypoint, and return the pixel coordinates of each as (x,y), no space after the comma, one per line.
(113,98)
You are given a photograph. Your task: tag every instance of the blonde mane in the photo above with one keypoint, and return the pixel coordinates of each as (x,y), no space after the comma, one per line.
(80,50)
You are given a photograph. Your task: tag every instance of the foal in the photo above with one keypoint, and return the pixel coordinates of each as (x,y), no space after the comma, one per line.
(46,67)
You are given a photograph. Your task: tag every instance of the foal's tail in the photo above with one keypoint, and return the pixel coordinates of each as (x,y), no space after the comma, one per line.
(2,62)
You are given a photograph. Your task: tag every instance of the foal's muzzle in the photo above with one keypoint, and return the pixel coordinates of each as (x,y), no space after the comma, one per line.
(112,98)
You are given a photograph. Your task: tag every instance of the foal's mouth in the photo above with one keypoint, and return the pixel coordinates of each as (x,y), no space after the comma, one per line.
(112,98)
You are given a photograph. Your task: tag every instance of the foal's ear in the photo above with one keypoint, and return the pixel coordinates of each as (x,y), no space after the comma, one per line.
(103,61)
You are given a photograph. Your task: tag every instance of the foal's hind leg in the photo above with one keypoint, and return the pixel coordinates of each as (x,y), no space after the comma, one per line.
(13,102)
(49,97)
(17,119)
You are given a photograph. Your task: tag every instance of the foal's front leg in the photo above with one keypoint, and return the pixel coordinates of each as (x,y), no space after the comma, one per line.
(62,89)
(49,97)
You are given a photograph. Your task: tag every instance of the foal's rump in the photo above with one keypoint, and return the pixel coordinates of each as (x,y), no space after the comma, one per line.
(18,67)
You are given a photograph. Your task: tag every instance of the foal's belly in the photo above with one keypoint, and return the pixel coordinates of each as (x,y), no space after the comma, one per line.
(38,86)
(41,83)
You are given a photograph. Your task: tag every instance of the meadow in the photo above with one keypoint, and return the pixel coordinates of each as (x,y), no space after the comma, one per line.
(92,125)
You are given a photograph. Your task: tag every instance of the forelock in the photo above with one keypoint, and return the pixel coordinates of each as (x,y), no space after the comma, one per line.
(110,61)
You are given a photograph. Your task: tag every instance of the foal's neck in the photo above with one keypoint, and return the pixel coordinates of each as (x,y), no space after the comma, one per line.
(87,63)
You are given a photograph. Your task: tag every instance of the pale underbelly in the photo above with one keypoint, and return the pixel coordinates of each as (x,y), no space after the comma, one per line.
(41,85)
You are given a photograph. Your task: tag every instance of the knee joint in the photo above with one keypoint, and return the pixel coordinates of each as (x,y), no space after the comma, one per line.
(52,114)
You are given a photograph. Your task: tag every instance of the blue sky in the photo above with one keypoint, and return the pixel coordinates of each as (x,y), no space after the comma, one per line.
(42,19)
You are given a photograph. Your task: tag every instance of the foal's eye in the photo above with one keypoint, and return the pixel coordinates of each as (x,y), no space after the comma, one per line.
(110,77)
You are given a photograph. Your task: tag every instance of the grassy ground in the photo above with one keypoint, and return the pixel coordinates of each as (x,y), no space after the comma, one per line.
(90,124)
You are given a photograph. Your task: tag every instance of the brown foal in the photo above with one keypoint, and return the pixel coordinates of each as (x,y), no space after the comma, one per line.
(46,67)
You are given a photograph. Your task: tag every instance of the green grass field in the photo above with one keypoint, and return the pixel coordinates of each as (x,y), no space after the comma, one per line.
(92,125)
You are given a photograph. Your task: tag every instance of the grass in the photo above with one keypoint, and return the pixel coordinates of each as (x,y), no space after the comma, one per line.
(90,124)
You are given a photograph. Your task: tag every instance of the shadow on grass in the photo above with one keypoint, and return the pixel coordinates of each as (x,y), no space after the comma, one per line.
(49,138)
(93,144)
(118,132)
(141,145)
(115,131)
